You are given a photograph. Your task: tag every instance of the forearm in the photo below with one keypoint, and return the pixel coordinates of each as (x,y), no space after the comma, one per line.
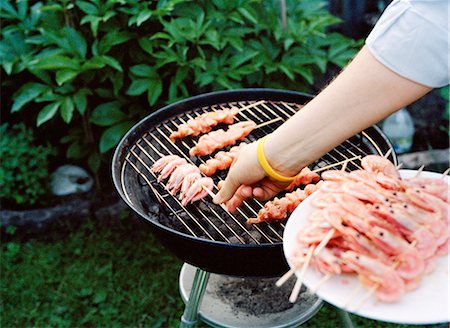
(363,94)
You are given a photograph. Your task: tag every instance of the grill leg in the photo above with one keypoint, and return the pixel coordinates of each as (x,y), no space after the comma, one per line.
(345,318)
(189,318)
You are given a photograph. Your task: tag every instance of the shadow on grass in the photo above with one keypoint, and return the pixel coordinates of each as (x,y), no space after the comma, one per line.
(99,275)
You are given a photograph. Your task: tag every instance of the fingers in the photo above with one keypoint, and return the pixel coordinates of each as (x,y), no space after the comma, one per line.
(227,190)
(245,171)
(267,190)
(241,194)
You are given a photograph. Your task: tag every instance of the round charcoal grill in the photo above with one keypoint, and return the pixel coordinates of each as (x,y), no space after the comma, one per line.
(204,234)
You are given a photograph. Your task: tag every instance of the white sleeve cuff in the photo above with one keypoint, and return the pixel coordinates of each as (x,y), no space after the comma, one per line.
(411,38)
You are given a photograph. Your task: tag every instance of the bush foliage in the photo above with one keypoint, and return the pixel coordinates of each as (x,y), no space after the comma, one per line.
(24,170)
(101,65)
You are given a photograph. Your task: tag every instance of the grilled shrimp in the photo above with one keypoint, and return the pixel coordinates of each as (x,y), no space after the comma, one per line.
(390,285)
(197,191)
(376,164)
(188,181)
(162,162)
(176,179)
(170,167)
(410,263)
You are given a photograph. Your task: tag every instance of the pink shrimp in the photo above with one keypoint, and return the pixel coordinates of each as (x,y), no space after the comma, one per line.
(410,263)
(372,272)
(335,176)
(176,179)
(170,167)
(429,202)
(162,162)
(326,262)
(331,186)
(188,181)
(375,164)
(389,182)
(436,187)
(363,192)
(399,219)
(197,190)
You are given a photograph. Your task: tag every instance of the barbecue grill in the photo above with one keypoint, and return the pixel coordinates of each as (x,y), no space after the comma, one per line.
(204,234)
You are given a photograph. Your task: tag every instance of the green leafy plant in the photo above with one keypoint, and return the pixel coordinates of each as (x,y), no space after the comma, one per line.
(24,172)
(101,65)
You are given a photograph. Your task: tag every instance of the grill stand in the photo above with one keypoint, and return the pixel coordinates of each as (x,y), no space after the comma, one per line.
(190,315)
(204,304)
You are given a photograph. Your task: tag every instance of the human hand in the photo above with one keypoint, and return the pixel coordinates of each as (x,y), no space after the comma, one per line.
(247,179)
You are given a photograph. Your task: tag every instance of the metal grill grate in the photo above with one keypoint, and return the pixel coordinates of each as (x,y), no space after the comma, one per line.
(205,219)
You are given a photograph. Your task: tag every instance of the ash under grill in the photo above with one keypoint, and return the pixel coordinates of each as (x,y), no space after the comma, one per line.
(204,219)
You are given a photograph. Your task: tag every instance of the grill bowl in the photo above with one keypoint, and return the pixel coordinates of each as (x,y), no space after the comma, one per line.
(217,256)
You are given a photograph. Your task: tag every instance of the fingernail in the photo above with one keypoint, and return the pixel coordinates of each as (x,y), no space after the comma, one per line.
(217,199)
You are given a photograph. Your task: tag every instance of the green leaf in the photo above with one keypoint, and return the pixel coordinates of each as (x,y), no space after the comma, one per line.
(7,7)
(287,71)
(27,93)
(93,63)
(143,70)
(99,297)
(107,114)
(249,14)
(47,113)
(94,21)
(67,109)
(138,87)
(154,91)
(146,45)
(112,39)
(76,40)
(307,74)
(65,75)
(76,150)
(55,62)
(111,136)
(87,7)
(80,100)
(110,61)
(94,162)
(143,16)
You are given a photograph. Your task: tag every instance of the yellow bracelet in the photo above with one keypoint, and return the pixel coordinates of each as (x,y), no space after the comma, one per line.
(266,166)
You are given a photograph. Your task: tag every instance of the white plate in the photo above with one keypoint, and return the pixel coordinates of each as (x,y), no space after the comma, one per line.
(428,304)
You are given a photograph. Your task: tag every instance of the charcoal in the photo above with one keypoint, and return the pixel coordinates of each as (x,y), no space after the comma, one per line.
(260,296)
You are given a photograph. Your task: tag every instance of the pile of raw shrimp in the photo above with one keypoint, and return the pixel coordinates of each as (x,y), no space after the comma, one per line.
(387,230)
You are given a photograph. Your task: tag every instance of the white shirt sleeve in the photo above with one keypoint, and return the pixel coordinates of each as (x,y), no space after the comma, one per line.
(412,39)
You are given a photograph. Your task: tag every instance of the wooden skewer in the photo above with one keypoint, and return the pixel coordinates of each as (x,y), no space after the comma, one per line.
(353,295)
(324,241)
(375,287)
(252,105)
(446,172)
(289,274)
(322,281)
(212,196)
(257,127)
(336,164)
(399,166)
(419,170)
(388,153)
(299,282)
(366,296)
(268,122)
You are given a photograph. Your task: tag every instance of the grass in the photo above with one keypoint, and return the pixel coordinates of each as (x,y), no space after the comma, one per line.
(96,275)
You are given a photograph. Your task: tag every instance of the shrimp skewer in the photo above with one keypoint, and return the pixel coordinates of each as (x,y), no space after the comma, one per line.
(204,123)
(208,143)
